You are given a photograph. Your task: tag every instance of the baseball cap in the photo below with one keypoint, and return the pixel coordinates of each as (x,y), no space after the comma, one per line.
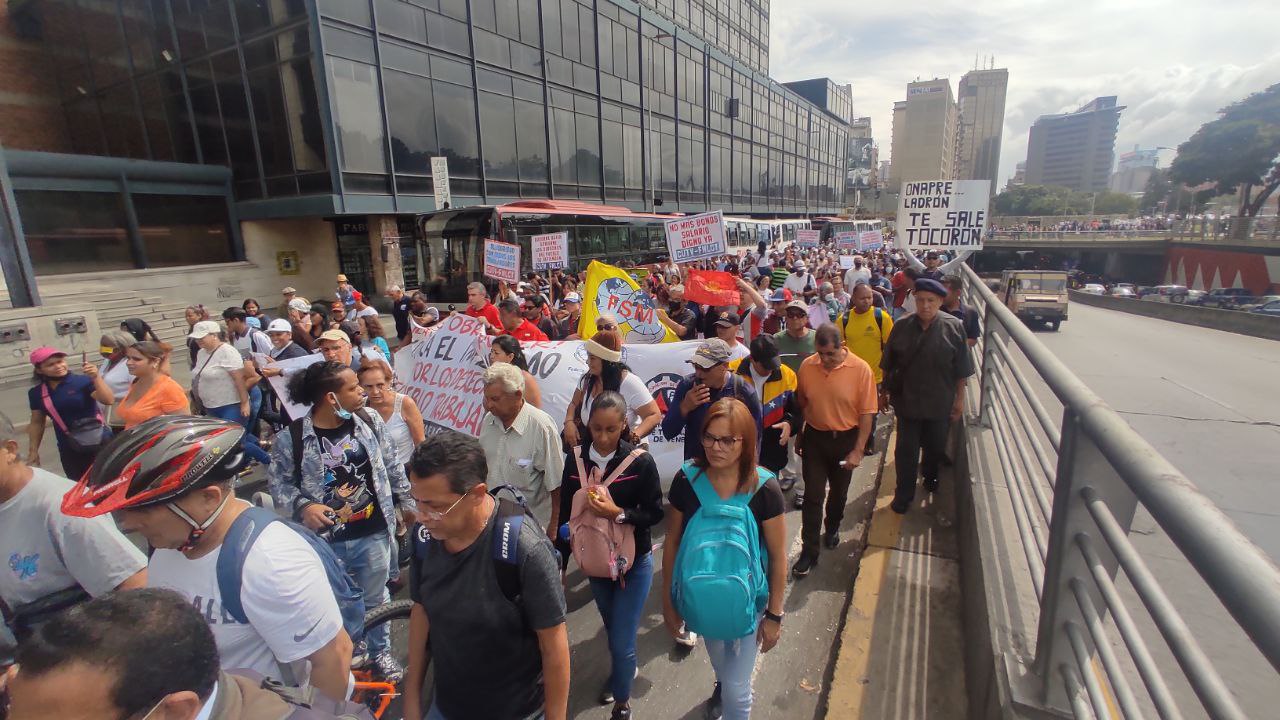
(798,266)
(764,350)
(342,278)
(203,328)
(279,325)
(931,286)
(357,295)
(727,318)
(300,304)
(41,354)
(253,322)
(573,297)
(334,335)
(288,291)
(710,353)
(797,305)
(779,295)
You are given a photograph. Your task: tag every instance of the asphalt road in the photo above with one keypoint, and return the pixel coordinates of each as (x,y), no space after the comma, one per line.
(1209,401)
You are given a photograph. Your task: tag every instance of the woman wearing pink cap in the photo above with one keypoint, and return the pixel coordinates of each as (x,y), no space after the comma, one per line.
(71,401)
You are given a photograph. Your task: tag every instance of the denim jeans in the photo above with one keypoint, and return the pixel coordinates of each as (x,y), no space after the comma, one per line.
(621,608)
(733,661)
(250,442)
(368,560)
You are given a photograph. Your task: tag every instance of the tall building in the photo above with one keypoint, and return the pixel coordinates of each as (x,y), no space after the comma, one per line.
(981,100)
(1134,170)
(1075,149)
(924,133)
(248,139)
(863,157)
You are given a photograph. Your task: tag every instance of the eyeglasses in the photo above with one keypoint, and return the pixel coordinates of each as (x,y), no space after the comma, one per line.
(434,516)
(724,443)
(606,326)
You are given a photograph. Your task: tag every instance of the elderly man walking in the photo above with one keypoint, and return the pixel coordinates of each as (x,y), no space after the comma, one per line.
(926,365)
(521,444)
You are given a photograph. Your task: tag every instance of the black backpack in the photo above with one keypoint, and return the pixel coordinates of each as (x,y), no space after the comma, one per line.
(844,324)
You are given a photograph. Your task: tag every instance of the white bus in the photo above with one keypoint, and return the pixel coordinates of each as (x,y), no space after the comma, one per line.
(743,234)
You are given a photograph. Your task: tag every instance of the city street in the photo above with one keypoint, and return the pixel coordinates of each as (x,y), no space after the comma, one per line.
(1209,402)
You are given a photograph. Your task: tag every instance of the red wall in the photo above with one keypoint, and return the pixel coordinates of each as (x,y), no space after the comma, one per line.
(1257,271)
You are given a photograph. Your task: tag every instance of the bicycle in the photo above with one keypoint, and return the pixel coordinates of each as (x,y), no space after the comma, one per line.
(381,697)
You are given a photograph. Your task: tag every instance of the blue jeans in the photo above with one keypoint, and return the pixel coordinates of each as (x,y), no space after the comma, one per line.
(733,661)
(621,608)
(368,560)
(250,442)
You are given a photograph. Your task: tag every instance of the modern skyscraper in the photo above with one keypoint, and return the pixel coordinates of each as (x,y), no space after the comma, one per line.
(924,133)
(1134,170)
(1075,149)
(981,99)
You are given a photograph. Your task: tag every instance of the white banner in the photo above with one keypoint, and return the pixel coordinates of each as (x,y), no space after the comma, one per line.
(550,251)
(846,261)
(502,261)
(870,240)
(807,238)
(278,383)
(444,375)
(943,214)
(847,240)
(696,237)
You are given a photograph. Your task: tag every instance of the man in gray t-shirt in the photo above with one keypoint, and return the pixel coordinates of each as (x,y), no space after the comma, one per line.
(46,552)
(488,602)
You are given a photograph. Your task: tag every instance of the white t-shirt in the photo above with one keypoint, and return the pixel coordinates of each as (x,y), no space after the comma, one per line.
(758,380)
(285,594)
(633,390)
(739,350)
(856,274)
(797,284)
(216,387)
(368,311)
(117,378)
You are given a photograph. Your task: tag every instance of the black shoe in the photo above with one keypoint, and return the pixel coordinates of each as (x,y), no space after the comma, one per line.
(900,506)
(606,696)
(831,540)
(931,485)
(714,708)
(621,713)
(803,566)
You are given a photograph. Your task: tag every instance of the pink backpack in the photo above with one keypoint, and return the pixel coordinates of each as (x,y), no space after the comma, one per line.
(603,547)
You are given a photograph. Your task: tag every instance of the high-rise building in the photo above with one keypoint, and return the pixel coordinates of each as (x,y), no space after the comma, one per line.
(1134,170)
(924,133)
(981,100)
(1075,149)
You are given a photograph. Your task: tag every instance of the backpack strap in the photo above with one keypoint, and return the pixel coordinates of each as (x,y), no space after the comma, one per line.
(622,466)
(583,476)
(880,324)
(506,547)
(241,536)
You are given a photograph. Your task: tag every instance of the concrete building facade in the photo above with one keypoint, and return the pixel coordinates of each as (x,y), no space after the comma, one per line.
(981,98)
(924,133)
(1076,149)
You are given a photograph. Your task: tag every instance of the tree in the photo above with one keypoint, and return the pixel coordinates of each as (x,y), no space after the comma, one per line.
(1114,203)
(1240,148)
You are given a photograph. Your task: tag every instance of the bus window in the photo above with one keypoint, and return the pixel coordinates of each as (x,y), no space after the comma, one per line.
(615,240)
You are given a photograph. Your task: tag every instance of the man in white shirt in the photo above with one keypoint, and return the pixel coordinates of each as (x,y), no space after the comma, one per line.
(800,281)
(522,445)
(859,273)
(363,310)
(172,480)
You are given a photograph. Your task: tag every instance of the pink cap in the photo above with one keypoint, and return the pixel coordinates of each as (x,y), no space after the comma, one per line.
(41,354)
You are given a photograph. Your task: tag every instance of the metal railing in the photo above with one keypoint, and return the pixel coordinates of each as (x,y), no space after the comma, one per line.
(1078,236)
(1074,487)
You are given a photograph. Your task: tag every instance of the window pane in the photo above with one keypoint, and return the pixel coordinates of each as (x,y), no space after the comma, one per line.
(531,141)
(235,116)
(359,116)
(70,232)
(497,127)
(455,111)
(123,124)
(413,123)
(183,230)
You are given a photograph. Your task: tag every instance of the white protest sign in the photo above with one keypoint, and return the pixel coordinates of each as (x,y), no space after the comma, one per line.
(870,240)
(696,237)
(846,261)
(550,251)
(943,214)
(279,382)
(502,261)
(808,238)
(440,182)
(847,240)
(444,376)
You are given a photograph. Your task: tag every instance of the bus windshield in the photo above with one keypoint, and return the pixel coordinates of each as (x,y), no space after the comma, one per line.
(1042,284)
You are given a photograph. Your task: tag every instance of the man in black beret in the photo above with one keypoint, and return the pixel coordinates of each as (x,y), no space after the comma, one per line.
(926,364)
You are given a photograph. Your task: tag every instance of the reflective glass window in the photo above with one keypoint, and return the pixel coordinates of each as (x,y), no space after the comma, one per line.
(183,230)
(455,111)
(498,135)
(359,117)
(413,123)
(69,232)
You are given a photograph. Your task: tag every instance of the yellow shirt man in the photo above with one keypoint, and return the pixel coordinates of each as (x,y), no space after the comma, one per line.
(866,333)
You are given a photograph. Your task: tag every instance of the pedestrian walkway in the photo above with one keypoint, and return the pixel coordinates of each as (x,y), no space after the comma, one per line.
(900,655)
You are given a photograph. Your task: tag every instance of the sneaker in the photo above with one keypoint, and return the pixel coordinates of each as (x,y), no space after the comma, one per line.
(931,485)
(359,655)
(606,695)
(830,540)
(799,501)
(803,566)
(687,637)
(900,506)
(388,668)
(714,707)
(621,713)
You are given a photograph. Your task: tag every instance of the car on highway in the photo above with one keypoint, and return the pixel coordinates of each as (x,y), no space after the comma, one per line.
(1271,308)
(1123,291)
(1194,296)
(1227,298)
(1167,293)
(1093,289)
(1035,296)
(1258,302)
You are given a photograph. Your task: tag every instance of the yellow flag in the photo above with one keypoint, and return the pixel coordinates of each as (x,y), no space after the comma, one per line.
(609,290)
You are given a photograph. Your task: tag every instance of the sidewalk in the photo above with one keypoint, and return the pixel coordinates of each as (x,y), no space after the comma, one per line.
(900,654)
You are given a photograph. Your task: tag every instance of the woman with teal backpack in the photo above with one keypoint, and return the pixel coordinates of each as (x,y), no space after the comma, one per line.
(724,559)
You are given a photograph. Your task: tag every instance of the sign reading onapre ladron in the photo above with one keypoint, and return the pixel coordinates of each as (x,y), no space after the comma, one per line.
(696,237)
(943,214)
(502,261)
(550,251)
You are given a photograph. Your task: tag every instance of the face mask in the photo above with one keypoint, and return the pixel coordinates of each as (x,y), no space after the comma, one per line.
(676,305)
(341,412)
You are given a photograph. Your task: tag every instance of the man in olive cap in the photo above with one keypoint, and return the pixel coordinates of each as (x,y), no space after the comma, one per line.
(711,380)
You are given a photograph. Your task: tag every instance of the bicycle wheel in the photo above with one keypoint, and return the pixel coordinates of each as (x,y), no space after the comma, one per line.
(395,616)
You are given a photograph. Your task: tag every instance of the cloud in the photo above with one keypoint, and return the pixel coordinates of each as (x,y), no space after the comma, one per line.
(1172,65)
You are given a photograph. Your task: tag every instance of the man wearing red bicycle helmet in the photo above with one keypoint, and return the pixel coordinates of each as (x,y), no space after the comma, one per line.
(171,479)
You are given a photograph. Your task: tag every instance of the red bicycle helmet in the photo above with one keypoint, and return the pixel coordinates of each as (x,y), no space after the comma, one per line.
(156,461)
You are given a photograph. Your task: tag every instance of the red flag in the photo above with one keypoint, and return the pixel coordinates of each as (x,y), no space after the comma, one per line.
(711,287)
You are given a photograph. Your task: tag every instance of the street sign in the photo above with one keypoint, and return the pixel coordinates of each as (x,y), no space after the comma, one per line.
(502,261)
(696,237)
(440,182)
(550,251)
(943,214)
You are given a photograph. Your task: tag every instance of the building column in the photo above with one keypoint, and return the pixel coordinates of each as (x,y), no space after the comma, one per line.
(384,248)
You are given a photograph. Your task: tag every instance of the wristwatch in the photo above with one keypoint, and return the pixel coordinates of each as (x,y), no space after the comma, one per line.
(770,616)
(621,518)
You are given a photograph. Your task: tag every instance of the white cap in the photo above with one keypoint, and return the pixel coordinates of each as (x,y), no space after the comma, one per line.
(573,297)
(204,328)
(279,325)
(300,305)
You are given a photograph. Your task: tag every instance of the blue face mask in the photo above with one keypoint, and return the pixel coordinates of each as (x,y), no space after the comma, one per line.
(341,412)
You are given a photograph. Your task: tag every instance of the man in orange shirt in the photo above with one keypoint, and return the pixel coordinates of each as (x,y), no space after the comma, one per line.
(837,393)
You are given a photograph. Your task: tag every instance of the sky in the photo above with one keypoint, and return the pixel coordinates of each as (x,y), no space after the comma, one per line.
(1172,64)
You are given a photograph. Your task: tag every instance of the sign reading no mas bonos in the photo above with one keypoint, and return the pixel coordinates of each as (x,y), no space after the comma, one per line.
(502,261)
(936,214)
(696,237)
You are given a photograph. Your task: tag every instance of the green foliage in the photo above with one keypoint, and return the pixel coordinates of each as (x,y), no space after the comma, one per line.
(1241,147)
(1054,200)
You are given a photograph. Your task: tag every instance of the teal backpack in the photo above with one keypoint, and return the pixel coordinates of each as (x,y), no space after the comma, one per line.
(721,587)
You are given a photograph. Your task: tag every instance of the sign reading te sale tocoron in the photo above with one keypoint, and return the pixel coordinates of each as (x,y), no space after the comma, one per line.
(696,237)
(943,214)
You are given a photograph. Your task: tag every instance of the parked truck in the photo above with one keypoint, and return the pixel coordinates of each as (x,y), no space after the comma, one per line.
(1035,296)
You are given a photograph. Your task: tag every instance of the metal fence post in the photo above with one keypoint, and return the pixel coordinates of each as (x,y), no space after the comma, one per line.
(1080,465)
(989,324)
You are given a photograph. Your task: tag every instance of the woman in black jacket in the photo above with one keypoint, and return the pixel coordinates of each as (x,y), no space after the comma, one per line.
(633,502)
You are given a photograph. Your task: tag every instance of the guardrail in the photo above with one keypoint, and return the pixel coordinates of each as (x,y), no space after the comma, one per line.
(1078,236)
(1074,486)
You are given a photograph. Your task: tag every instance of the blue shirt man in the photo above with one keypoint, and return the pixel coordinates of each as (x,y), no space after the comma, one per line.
(711,380)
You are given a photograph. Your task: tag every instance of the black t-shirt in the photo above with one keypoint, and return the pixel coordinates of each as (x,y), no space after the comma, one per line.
(766,504)
(685,316)
(638,490)
(400,311)
(348,483)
